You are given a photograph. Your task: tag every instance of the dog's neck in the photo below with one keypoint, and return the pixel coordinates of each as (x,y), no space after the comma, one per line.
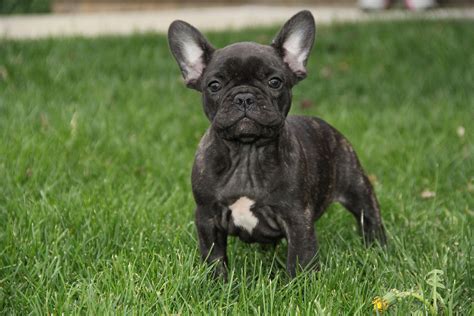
(247,165)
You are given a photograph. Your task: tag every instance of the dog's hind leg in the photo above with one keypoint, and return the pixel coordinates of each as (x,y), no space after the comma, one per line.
(356,194)
(360,200)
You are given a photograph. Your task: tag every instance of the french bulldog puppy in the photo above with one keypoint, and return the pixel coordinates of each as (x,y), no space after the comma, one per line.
(259,174)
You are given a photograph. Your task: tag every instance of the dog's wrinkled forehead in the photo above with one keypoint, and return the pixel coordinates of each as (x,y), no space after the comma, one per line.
(245,61)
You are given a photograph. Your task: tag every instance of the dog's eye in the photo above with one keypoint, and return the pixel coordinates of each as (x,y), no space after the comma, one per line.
(274,83)
(214,86)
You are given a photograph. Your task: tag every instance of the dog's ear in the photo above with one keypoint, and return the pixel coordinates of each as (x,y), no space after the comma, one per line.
(294,42)
(191,50)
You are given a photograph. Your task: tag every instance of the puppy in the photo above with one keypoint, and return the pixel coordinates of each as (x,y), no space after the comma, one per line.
(258,173)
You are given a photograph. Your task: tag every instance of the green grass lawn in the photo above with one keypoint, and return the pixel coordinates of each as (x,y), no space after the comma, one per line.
(97,138)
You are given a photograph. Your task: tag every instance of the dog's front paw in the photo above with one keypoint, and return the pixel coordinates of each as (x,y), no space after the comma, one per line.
(219,270)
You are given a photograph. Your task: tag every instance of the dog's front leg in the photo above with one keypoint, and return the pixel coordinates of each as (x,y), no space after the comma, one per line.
(212,241)
(302,246)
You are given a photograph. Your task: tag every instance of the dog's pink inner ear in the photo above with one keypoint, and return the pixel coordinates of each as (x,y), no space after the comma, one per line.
(295,40)
(296,53)
(193,61)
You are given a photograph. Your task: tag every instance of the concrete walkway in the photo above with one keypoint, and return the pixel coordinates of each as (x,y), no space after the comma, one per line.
(210,18)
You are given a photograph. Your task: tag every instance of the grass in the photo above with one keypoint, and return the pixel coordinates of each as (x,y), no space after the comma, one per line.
(24,6)
(97,138)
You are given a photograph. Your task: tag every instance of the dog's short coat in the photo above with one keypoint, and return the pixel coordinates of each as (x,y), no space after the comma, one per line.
(258,173)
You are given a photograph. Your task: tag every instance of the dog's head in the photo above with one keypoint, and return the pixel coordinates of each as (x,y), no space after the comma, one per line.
(246,87)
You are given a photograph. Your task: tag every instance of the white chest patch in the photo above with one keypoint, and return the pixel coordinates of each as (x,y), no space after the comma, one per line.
(242,215)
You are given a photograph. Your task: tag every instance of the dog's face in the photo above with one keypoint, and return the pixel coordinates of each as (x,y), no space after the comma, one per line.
(246,87)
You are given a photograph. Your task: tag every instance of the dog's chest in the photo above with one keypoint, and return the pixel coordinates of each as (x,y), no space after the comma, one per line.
(243,191)
(241,214)
(251,220)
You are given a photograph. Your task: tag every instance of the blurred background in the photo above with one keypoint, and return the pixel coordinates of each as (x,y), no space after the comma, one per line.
(74,6)
(44,18)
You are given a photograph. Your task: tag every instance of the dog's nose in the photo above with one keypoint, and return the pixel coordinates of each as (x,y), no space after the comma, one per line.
(244,101)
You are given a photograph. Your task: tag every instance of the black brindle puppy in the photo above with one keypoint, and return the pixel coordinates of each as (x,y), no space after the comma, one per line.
(258,173)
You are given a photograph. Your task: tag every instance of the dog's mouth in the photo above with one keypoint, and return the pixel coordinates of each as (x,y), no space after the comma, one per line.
(247,130)
(249,124)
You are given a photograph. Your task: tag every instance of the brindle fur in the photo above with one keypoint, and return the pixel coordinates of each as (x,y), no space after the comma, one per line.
(293,167)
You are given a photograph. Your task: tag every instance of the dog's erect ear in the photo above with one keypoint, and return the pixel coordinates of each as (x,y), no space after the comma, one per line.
(294,42)
(191,50)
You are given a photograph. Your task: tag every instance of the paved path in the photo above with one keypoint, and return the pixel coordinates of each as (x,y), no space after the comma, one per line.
(211,18)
